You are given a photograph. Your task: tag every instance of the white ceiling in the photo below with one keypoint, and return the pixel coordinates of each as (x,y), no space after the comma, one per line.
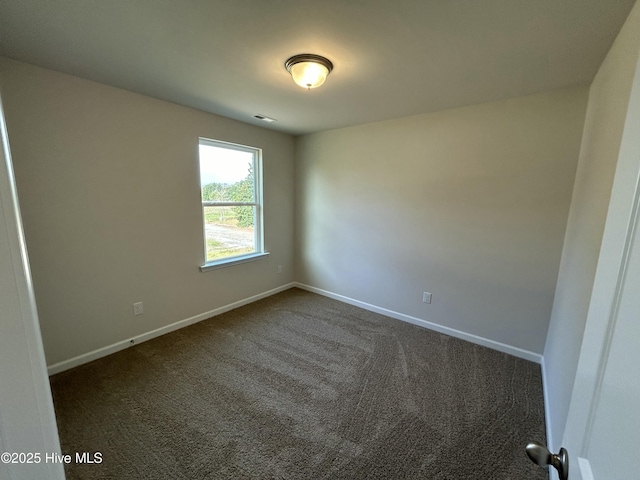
(392,58)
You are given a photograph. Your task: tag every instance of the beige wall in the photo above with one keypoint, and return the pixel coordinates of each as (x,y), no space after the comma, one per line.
(469,204)
(605,119)
(108,185)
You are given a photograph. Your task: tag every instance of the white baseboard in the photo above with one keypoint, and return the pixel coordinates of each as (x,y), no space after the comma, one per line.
(104,351)
(485,342)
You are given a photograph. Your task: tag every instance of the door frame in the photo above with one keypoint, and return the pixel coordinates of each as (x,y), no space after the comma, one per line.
(621,228)
(27,418)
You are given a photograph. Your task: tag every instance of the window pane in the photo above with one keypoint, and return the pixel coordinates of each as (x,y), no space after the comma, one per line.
(226,175)
(229,231)
(230,174)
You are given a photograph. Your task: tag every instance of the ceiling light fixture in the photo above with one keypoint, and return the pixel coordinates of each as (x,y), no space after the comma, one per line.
(309,70)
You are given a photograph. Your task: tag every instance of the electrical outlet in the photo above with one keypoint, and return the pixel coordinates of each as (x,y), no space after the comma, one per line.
(279,269)
(426,297)
(138,309)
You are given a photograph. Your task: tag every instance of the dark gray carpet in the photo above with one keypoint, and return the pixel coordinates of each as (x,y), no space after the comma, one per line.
(299,386)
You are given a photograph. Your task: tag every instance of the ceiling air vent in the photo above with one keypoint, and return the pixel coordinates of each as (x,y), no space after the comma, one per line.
(264,118)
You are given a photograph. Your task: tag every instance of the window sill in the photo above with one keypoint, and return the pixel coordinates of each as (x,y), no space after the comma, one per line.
(228,262)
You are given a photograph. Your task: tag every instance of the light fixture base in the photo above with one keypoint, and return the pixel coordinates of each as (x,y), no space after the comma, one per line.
(308,57)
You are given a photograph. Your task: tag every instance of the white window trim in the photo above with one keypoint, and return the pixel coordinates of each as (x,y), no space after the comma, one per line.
(259,252)
(230,261)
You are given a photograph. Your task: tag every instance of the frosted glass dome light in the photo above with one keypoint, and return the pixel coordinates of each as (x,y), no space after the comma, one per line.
(308,70)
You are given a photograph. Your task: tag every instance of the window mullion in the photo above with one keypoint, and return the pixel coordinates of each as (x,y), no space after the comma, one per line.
(228,204)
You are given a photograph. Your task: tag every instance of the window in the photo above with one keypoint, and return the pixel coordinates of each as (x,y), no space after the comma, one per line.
(231,190)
